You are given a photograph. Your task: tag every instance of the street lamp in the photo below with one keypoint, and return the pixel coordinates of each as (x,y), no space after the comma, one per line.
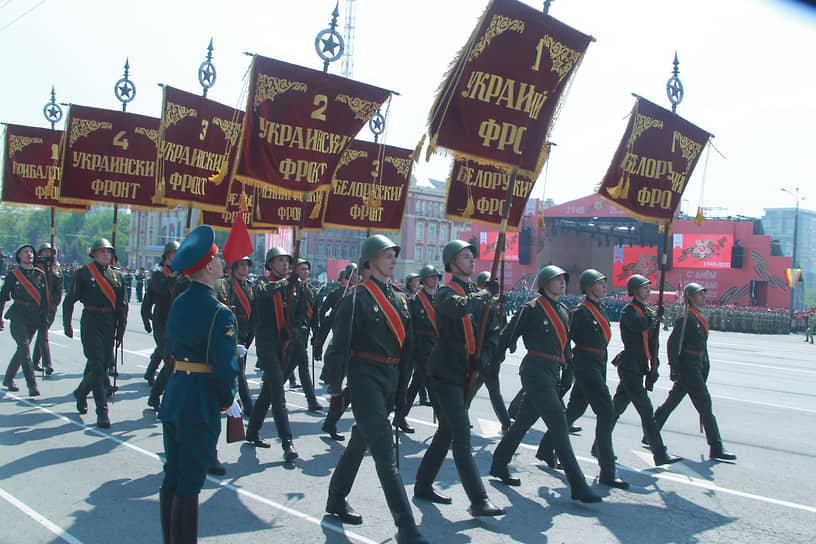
(797,198)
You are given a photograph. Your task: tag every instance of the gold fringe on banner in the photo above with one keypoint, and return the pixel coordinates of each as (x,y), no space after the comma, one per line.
(243,204)
(541,222)
(621,190)
(698,220)
(218,177)
(417,152)
(431,148)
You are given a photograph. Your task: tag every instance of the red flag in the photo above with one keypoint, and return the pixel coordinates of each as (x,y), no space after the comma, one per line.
(238,244)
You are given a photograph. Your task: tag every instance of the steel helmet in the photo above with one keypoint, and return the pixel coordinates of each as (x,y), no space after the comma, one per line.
(692,289)
(304,261)
(411,276)
(45,245)
(636,281)
(347,272)
(101,243)
(588,277)
(427,271)
(19,249)
(482,278)
(373,245)
(248,258)
(169,247)
(549,272)
(276,252)
(452,249)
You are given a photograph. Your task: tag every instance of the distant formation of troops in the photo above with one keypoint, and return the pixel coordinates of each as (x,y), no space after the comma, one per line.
(388,347)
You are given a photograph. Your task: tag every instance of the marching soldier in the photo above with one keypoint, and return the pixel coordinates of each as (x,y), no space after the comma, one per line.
(811,322)
(543,323)
(637,361)
(374,323)
(272,340)
(201,334)
(305,321)
(412,282)
(423,319)
(53,282)
(140,283)
(590,331)
(239,294)
(26,284)
(101,290)
(155,309)
(690,365)
(458,306)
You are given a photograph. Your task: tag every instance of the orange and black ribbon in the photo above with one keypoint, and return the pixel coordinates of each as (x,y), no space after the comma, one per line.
(106,288)
(30,289)
(560,328)
(392,317)
(467,324)
(607,330)
(700,317)
(429,310)
(645,333)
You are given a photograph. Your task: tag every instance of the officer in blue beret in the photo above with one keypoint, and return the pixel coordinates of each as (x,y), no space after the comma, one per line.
(201,332)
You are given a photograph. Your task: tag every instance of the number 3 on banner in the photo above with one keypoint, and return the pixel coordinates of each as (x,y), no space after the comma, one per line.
(321,101)
(204,126)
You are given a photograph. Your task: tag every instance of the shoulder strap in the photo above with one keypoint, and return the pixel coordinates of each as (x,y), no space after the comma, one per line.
(560,328)
(645,333)
(392,317)
(605,328)
(467,323)
(30,289)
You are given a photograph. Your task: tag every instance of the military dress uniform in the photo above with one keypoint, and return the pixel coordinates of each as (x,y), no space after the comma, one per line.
(202,337)
(103,322)
(140,284)
(543,323)
(155,310)
(423,319)
(28,314)
(53,281)
(305,321)
(239,295)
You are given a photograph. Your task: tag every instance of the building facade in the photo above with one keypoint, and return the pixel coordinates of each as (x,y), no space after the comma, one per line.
(778,223)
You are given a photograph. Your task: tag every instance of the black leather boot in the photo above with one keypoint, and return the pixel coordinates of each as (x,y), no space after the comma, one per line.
(430,494)
(81,403)
(407,532)
(184,520)
(503,474)
(166,507)
(217,468)
(403,425)
(289,451)
(484,507)
(341,509)
(719,454)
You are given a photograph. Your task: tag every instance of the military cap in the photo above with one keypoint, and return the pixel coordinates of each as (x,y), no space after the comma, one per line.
(196,251)
(19,249)
(427,271)
(549,272)
(636,281)
(588,277)
(375,244)
(692,289)
(452,249)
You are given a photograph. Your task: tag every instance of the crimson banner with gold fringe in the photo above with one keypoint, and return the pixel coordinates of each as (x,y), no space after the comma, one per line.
(199,144)
(370,188)
(298,124)
(276,207)
(653,163)
(477,192)
(109,157)
(240,196)
(502,92)
(31,168)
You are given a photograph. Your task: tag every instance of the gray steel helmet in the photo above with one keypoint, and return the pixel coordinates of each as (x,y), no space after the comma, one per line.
(101,243)
(549,272)
(373,245)
(427,271)
(19,249)
(45,245)
(347,272)
(304,261)
(411,276)
(482,278)
(248,258)
(692,289)
(452,249)
(636,281)
(169,247)
(276,252)
(588,277)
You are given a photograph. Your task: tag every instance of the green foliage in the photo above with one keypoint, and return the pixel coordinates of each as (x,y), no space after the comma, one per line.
(810,298)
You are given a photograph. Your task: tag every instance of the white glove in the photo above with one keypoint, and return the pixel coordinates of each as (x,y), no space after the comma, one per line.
(242,350)
(234,410)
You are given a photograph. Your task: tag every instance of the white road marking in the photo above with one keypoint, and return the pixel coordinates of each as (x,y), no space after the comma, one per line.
(769,367)
(39,518)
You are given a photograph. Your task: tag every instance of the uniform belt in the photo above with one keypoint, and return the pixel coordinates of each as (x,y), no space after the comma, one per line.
(591,349)
(557,358)
(197,368)
(690,352)
(32,304)
(377,358)
(95,309)
(426,333)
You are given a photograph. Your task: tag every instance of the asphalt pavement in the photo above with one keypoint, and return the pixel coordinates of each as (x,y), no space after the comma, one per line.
(64,480)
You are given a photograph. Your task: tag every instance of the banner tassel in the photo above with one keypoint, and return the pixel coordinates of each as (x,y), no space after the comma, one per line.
(417,152)
(698,220)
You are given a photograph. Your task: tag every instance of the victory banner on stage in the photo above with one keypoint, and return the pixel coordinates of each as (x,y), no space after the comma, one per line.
(499,97)
(109,157)
(298,124)
(199,143)
(653,163)
(31,168)
(476,192)
(370,188)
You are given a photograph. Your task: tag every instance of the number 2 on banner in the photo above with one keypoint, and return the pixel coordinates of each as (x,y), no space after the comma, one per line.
(321,101)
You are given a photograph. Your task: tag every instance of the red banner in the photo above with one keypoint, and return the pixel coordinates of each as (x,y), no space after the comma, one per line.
(487,246)
(628,260)
(477,192)
(653,163)
(370,188)
(298,124)
(109,157)
(502,92)
(225,218)
(31,172)
(702,250)
(276,207)
(199,142)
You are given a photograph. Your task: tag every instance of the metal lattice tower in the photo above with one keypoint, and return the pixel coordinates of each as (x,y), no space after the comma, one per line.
(348,36)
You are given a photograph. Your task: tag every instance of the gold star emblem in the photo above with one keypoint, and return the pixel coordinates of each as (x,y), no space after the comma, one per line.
(230,331)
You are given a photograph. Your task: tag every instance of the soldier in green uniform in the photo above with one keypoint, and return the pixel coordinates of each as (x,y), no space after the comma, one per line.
(272,340)
(305,321)
(459,306)
(373,325)
(26,284)
(412,282)
(423,319)
(45,261)
(201,333)
(637,364)
(811,322)
(238,295)
(543,323)
(690,365)
(155,308)
(590,331)
(101,290)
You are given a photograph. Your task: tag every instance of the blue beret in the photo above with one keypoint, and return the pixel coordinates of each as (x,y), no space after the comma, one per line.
(197,249)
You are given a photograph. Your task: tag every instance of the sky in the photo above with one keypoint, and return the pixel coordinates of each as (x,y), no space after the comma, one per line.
(746,67)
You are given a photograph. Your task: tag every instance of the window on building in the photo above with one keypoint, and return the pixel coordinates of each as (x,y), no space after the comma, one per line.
(319,250)
(443,233)
(431,232)
(345,252)
(418,254)
(420,231)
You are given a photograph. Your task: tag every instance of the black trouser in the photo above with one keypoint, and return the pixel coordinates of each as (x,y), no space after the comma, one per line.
(271,394)
(491,381)
(690,380)
(300,359)
(166,371)
(453,433)
(42,351)
(542,400)
(590,390)
(419,382)
(631,389)
(22,331)
(97,332)
(243,387)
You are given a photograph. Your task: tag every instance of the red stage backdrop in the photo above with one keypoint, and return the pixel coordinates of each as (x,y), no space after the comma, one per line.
(702,250)
(487,246)
(628,260)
